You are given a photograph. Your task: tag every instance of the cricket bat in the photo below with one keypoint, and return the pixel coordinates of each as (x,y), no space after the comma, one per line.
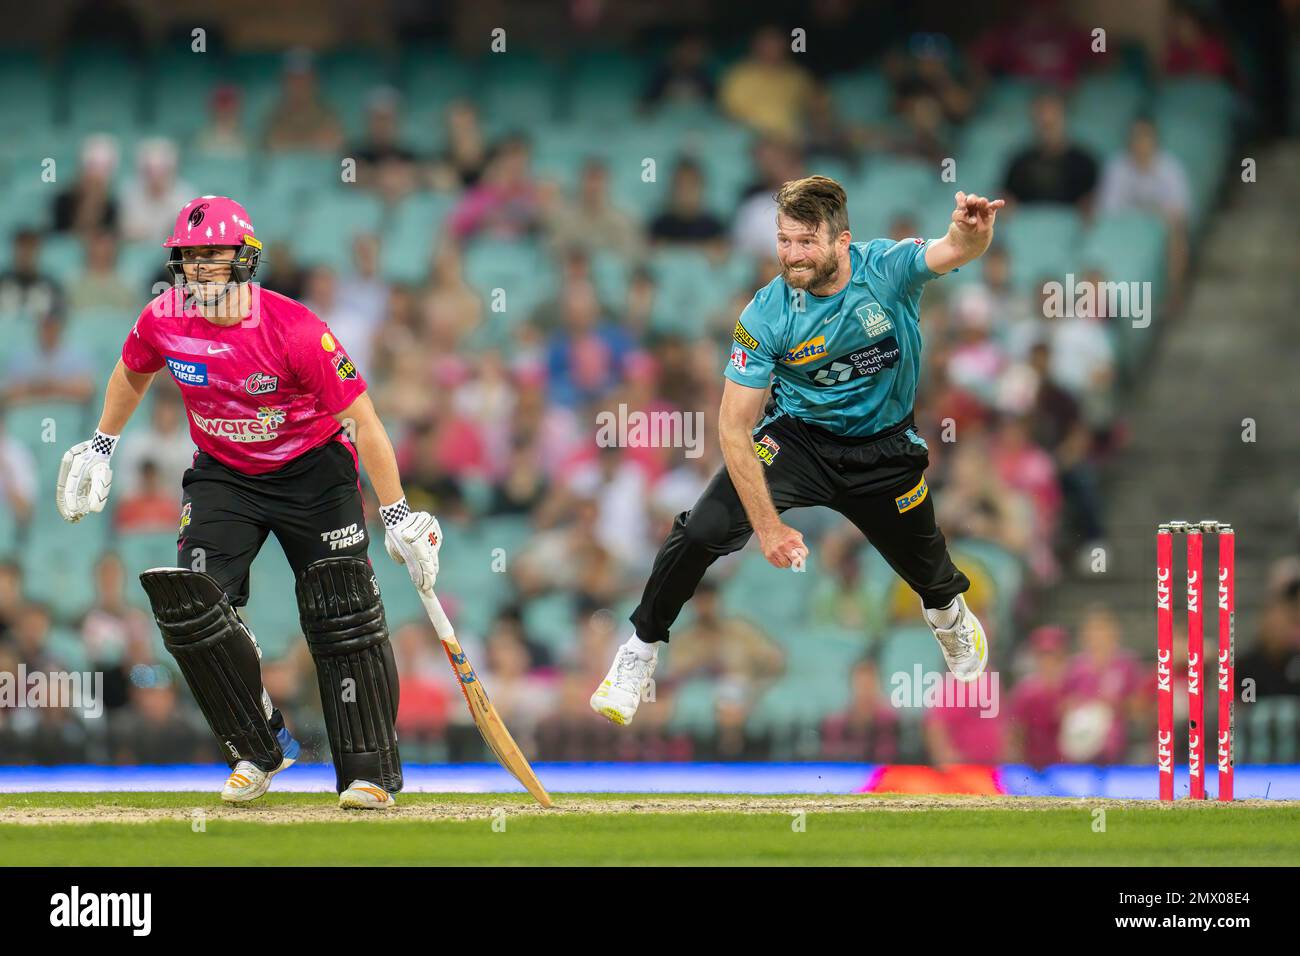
(485,716)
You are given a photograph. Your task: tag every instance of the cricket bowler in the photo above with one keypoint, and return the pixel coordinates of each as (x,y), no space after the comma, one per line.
(837,336)
(280,415)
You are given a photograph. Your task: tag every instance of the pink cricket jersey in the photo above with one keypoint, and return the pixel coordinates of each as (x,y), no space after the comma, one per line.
(257,394)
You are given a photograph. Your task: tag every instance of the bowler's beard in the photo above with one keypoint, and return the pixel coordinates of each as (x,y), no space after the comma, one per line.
(819,276)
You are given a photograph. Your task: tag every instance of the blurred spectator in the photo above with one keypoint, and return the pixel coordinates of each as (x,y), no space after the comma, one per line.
(1053,169)
(362,290)
(1027,468)
(150,507)
(825,132)
(1273,662)
(592,222)
(585,359)
(568,733)
(117,637)
(354,328)
(152,198)
(1105,688)
(1083,354)
(426,692)
(156,729)
(30,635)
(722,647)
(1146,177)
(428,455)
(753,230)
(17,477)
(732,738)
(976,503)
(924,74)
(54,371)
(1038,702)
(522,697)
(964,734)
(466,156)
(165,441)
(523,486)
(976,360)
(768,90)
(1038,43)
(88,204)
(383,163)
(300,120)
(684,77)
(222,136)
(1056,424)
(867,730)
(504,203)
(11,597)
(23,286)
(100,285)
(619,488)
(686,220)
(1195,46)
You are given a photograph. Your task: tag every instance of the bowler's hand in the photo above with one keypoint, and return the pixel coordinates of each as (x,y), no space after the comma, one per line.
(782,546)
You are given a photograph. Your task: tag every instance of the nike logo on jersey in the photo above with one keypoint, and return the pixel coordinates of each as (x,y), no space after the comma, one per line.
(224,348)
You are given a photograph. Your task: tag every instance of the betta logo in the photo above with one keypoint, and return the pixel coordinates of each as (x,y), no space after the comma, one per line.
(1165,751)
(196,214)
(1162,589)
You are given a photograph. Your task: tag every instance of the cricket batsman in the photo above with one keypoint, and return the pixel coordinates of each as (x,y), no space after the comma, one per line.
(837,336)
(280,415)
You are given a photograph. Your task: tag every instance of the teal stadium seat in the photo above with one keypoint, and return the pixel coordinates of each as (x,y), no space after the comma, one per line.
(604,88)
(519,90)
(330,223)
(408,244)
(861,97)
(552,620)
(104,91)
(1042,240)
(693,706)
(519,268)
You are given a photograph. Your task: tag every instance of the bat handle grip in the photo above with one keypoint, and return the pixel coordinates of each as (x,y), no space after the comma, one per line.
(437,616)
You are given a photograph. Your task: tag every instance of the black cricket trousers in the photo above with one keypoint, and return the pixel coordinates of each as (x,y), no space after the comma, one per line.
(877,482)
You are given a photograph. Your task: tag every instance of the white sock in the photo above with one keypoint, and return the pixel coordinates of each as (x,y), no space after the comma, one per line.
(641,648)
(943,617)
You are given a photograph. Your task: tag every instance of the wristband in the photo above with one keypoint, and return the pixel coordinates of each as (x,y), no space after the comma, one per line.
(395,513)
(103,444)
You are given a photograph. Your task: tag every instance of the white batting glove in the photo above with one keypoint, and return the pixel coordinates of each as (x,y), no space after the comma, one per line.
(413,538)
(85,477)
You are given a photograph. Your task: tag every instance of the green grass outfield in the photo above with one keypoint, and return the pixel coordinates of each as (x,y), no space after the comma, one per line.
(106,829)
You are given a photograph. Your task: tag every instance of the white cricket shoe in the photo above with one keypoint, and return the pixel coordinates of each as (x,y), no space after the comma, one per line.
(619,694)
(964,646)
(364,795)
(246,782)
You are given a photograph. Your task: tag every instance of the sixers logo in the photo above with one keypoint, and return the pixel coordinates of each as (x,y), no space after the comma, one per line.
(196,214)
(259,383)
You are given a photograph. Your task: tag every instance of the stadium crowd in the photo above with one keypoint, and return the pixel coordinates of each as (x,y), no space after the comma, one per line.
(496,421)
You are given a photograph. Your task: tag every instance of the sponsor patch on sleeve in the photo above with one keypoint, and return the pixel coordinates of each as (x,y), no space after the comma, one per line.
(344,368)
(766,448)
(742,337)
(739,358)
(913,498)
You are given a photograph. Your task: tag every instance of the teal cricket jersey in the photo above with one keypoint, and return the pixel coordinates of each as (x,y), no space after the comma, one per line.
(849,362)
